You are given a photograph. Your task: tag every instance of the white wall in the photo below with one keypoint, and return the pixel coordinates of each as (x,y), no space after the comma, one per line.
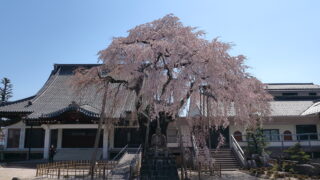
(283,124)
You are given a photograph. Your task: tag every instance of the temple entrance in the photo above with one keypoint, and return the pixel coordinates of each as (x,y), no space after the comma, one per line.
(214,137)
(79,138)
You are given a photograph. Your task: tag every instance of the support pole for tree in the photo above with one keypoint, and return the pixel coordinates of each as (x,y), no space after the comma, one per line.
(147,133)
(97,138)
(183,164)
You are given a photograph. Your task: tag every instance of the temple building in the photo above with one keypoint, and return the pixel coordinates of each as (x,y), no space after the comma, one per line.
(61,116)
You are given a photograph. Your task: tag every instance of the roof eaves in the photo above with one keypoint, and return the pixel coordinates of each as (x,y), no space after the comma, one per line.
(18,101)
(69,108)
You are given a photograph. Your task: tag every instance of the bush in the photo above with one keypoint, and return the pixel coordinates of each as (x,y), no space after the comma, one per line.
(296,153)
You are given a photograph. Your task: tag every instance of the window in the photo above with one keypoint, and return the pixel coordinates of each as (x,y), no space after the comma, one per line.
(306,132)
(237,135)
(80,138)
(290,94)
(127,136)
(37,138)
(271,134)
(13,138)
(312,94)
(287,135)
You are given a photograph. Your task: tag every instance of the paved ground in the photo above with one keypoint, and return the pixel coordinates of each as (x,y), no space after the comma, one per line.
(227,175)
(7,173)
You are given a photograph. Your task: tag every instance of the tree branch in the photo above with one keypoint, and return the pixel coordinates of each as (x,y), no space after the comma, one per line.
(169,74)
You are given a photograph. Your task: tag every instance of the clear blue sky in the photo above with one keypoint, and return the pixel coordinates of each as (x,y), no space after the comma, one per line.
(281,39)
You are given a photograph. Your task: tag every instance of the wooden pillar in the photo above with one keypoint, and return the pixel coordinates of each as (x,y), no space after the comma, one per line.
(105,150)
(5,131)
(59,141)
(46,141)
(111,144)
(22,136)
(29,143)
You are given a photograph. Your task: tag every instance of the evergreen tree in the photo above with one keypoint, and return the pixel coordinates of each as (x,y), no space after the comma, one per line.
(256,141)
(5,90)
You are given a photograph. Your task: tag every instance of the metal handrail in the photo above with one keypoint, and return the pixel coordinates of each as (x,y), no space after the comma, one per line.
(280,137)
(134,160)
(114,158)
(238,151)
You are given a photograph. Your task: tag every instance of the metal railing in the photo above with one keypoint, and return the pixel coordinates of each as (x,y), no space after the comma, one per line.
(238,151)
(284,140)
(135,164)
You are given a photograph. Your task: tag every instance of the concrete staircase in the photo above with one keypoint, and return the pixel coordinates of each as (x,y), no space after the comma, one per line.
(122,170)
(76,154)
(226,158)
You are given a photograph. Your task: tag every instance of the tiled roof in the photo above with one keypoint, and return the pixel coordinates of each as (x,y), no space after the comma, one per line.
(291,86)
(314,109)
(278,108)
(16,106)
(57,94)
(289,108)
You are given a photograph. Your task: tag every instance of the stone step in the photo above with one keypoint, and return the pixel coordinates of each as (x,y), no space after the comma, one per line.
(225,158)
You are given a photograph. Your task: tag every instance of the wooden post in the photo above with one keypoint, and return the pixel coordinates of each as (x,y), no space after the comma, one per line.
(147,134)
(182,154)
(199,171)
(104,172)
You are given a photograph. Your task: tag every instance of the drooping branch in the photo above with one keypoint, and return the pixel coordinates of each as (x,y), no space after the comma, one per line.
(167,59)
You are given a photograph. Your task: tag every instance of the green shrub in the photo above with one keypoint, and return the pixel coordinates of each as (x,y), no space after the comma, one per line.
(275,167)
(296,153)
(256,141)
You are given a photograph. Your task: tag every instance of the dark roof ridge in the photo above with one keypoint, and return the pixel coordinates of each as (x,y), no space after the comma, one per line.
(289,83)
(59,65)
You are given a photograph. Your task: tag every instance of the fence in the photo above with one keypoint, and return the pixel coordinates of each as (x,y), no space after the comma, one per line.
(81,169)
(75,169)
